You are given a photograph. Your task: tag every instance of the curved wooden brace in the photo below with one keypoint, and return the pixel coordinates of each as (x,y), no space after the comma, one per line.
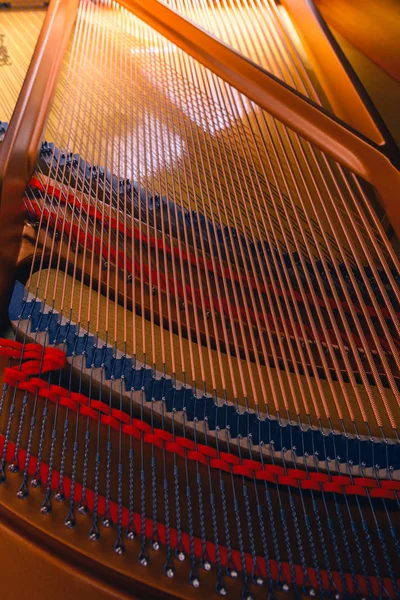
(19,150)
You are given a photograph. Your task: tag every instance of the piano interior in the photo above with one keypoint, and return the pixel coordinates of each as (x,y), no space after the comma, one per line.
(200,268)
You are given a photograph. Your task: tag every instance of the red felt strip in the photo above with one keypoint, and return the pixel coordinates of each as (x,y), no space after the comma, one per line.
(204,454)
(149,526)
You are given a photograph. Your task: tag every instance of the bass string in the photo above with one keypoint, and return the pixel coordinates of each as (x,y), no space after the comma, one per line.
(370,261)
(322,322)
(244,37)
(199,277)
(245,208)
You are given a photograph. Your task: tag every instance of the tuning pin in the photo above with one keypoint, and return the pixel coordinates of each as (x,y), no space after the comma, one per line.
(23,491)
(83,508)
(246,595)
(14,466)
(94,533)
(169,572)
(285,587)
(59,495)
(36,480)
(231,569)
(130,532)
(180,552)
(143,558)
(205,561)
(194,579)
(221,587)
(155,541)
(119,547)
(257,577)
(46,506)
(70,520)
(169,569)
(106,520)
(312,592)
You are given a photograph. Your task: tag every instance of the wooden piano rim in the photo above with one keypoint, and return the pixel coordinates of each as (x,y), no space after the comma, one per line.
(81,556)
(73,548)
(18,151)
